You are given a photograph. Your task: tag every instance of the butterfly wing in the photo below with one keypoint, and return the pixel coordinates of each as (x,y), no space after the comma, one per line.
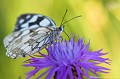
(31,34)
(29,43)
(9,38)
(29,21)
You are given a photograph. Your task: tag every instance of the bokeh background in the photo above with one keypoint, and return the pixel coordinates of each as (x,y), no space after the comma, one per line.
(100,22)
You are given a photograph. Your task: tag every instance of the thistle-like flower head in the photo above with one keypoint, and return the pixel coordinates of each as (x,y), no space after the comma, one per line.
(68,60)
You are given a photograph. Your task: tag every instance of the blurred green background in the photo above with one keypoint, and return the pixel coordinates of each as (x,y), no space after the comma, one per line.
(100,22)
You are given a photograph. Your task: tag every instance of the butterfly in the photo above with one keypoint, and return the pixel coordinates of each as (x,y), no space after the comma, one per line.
(32,33)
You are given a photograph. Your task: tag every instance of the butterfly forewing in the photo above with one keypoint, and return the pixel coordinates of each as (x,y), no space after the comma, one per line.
(29,21)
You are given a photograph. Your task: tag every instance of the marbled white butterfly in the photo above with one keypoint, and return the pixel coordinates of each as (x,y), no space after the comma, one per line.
(32,33)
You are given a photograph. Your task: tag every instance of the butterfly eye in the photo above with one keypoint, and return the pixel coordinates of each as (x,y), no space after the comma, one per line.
(61,28)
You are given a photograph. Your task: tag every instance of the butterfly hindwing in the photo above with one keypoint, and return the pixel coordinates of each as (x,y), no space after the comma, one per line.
(8,39)
(31,42)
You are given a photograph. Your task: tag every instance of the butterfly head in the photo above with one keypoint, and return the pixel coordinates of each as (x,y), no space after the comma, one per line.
(61,28)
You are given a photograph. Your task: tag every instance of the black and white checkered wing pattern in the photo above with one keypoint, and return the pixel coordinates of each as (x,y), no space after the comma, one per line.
(9,38)
(26,22)
(30,21)
(32,33)
(29,41)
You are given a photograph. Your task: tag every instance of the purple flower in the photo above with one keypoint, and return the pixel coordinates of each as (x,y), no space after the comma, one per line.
(68,60)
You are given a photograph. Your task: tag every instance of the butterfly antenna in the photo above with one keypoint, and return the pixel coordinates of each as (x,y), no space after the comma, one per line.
(70,20)
(63,17)
(66,34)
